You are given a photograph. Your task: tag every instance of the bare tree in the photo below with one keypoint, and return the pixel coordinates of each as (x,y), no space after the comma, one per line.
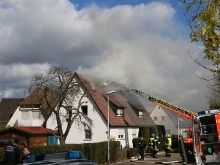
(60,92)
(214,93)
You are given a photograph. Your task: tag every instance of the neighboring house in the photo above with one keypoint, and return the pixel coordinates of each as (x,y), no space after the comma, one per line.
(31,136)
(126,114)
(7,108)
(169,119)
(29,113)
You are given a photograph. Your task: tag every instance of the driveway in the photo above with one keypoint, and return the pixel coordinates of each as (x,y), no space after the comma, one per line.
(161,159)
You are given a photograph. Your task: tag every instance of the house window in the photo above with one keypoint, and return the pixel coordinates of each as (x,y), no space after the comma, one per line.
(119,112)
(134,135)
(167,131)
(88,134)
(162,118)
(29,114)
(84,109)
(141,114)
(155,118)
(35,114)
(121,133)
(121,136)
(24,115)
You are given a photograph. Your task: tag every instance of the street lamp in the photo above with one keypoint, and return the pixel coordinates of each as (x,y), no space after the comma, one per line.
(108,93)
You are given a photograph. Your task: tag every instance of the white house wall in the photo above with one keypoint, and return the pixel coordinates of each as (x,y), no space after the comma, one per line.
(77,135)
(98,130)
(168,123)
(132,133)
(14,117)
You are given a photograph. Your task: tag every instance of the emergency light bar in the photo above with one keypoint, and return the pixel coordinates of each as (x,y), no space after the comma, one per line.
(214,111)
(75,155)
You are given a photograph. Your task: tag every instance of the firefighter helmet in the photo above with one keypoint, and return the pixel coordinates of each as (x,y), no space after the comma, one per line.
(167,135)
(157,137)
(152,135)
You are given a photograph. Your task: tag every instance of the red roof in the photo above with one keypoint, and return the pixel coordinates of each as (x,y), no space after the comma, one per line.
(101,102)
(32,130)
(127,101)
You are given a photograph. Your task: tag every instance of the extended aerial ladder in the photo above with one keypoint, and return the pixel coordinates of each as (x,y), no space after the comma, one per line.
(163,103)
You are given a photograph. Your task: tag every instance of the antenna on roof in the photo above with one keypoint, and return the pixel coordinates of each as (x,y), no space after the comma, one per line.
(25,95)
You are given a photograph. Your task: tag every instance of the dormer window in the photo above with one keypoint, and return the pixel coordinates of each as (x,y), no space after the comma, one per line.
(120,112)
(141,114)
(84,109)
(29,112)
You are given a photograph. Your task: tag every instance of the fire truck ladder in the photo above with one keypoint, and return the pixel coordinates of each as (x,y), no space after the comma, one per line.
(163,103)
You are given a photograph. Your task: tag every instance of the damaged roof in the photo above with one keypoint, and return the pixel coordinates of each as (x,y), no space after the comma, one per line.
(121,99)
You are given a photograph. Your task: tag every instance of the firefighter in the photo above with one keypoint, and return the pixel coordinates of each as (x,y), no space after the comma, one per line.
(164,143)
(142,147)
(155,147)
(181,153)
(168,144)
(151,144)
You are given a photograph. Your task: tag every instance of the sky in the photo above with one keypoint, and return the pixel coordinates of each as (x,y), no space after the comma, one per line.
(142,43)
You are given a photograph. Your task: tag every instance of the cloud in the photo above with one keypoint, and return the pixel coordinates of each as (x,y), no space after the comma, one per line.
(16,78)
(141,46)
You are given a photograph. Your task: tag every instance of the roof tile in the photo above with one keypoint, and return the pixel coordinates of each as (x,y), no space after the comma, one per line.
(7,108)
(100,99)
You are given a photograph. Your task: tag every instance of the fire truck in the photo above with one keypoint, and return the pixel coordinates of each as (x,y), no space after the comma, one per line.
(205,144)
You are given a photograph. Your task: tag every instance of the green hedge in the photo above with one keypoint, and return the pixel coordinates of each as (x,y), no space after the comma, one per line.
(146,131)
(96,152)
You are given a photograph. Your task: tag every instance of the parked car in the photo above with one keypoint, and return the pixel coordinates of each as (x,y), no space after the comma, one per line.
(60,158)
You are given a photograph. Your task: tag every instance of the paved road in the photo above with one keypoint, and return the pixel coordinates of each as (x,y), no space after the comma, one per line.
(161,159)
